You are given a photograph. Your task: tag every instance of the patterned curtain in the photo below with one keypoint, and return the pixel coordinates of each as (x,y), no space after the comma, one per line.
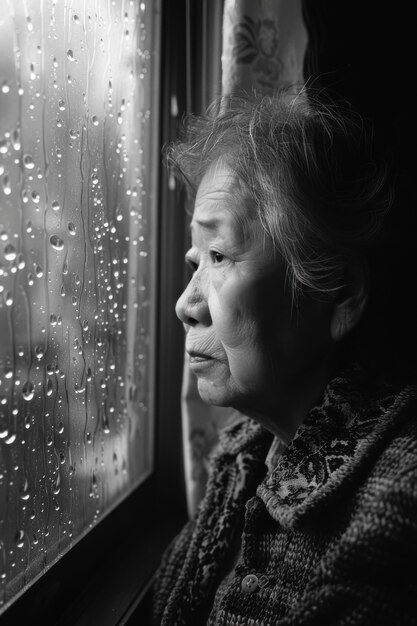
(264,45)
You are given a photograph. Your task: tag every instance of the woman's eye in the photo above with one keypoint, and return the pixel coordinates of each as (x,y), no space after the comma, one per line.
(216,257)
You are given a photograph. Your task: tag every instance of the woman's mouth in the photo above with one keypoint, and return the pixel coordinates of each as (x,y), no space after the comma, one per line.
(199,359)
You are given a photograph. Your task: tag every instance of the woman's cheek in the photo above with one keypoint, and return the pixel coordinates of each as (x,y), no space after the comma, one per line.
(231,315)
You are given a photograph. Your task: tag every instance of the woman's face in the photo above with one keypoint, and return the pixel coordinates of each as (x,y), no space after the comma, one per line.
(249,345)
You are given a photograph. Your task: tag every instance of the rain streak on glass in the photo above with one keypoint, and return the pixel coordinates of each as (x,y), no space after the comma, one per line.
(77,258)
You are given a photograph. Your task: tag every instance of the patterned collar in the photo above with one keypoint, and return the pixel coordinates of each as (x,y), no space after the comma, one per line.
(332,448)
(336,445)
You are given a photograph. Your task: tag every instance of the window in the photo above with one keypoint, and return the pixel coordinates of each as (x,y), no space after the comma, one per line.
(79,155)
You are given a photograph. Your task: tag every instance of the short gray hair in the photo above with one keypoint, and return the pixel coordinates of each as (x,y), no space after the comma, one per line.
(310,169)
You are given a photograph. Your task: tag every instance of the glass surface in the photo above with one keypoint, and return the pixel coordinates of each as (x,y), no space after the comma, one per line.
(78,161)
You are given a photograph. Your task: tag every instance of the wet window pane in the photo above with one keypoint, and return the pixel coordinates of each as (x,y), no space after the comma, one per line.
(77,248)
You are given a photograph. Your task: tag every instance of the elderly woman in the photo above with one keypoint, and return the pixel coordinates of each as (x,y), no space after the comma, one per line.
(310,511)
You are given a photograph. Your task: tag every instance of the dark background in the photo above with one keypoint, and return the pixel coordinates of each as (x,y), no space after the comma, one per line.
(363,52)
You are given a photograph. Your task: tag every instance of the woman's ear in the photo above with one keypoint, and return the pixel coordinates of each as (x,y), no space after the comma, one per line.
(351,300)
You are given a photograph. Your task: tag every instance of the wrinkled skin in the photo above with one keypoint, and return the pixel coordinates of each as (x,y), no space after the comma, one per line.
(250,347)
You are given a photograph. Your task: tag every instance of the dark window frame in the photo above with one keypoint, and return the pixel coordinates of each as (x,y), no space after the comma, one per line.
(104,578)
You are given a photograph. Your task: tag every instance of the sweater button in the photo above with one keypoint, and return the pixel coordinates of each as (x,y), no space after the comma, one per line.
(250,583)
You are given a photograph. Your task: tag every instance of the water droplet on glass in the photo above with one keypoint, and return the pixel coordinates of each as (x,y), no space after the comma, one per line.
(7,190)
(8,298)
(20,538)
(55,205)
(9,252)
(24,490)
(76,18)
(4,146)
(56,242)
(39,352)
(8,372)
(36,197)
(61,105)
(71,228)
(28,391)
(106,428)
(73,134)
(95,120)
(28,162)
(70,55)
(5,87)
(57,484)
(10,439)
(16,139)
(49,387)
(39,271)
(29,23)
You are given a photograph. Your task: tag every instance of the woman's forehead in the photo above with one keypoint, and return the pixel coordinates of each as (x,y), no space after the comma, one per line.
(219,178)
(221,197)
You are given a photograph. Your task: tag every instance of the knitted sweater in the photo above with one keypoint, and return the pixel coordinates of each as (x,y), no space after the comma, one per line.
(328,536)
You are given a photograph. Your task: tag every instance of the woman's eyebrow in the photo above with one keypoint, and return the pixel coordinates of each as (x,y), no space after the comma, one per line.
(211,223)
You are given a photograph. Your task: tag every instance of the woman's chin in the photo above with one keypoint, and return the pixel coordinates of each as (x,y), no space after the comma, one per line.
(212,393)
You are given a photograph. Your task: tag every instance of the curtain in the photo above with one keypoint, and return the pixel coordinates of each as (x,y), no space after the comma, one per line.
(263,46)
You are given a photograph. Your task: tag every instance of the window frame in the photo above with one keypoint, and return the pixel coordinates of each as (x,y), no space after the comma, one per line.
(104,577)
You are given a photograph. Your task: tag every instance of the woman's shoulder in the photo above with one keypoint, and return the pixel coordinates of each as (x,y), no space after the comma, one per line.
(397,465)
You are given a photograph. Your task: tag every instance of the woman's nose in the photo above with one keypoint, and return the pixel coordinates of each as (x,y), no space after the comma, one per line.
(192,307)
